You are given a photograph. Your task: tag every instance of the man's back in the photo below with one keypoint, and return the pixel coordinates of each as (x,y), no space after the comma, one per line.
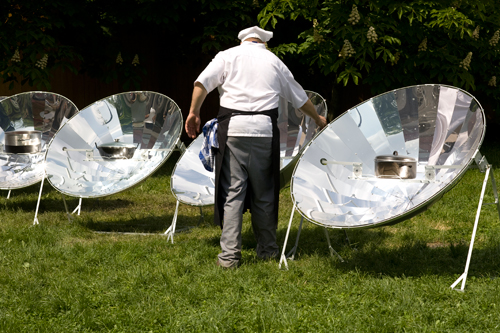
(251,78)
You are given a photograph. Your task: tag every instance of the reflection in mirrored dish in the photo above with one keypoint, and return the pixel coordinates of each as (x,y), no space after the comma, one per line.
(334,183)
(193,185)
(141,127)
(22,118)
(296,130)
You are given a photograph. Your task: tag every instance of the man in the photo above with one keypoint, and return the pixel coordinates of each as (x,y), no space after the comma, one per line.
(250,80)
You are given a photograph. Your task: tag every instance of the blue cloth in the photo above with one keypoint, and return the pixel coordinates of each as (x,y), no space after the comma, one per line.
(207,153)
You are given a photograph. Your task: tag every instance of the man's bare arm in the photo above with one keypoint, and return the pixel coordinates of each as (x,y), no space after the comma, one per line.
(193,121)
(308,109)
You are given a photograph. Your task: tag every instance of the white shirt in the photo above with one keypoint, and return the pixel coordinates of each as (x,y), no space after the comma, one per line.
(251,78)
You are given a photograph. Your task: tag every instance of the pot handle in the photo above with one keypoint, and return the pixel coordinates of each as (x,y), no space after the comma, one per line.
(110,116)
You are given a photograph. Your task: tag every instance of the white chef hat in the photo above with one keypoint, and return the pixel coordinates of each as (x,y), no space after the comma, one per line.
(255,32)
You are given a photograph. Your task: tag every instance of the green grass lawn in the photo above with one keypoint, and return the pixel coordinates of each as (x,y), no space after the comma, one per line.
(65,277)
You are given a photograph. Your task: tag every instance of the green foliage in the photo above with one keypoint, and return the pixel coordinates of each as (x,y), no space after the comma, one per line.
(416,41)
(25,38)
(221,20)
(86,36)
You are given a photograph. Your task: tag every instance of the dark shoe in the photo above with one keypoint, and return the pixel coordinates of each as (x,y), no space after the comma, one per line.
(270,258)
(275,256)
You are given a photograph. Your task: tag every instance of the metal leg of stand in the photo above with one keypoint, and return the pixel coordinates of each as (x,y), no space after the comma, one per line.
(78,208)
(291,254)
(202,217)
(8,194)
(35,221)
(283,257)
(347,239)
(332,251)
(171,230)
(495,193)
(66,207)
(463,277)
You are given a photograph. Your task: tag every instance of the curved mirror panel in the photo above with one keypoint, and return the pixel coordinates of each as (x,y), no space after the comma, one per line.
(296,130)
(340,181)
(192,184)
(113,144)
(27,122)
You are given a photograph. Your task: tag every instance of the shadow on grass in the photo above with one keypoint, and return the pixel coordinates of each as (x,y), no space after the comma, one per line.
(312,240)
(419,258)
(57,204)
(32,189)
(149,224)
(97,204)
(414,258)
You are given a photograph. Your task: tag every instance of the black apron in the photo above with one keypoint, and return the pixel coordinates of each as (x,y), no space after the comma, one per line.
(223,118)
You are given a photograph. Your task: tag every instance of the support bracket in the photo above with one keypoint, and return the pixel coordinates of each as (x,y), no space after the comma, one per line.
(485,167)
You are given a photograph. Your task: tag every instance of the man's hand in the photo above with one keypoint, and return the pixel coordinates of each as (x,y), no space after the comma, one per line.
(192,125)
(321,122)
(308,109)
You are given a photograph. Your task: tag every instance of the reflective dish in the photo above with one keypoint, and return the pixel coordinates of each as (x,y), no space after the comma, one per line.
(440,127)
(191,183)
(21,154)
(149,122)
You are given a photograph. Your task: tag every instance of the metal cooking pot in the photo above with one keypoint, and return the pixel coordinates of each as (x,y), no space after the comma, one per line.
(23,142)
(116,150)
(397,167)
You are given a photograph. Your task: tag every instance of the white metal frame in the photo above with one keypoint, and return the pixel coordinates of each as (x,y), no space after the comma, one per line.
(89,154)
(357,171)
(485,167)
(35,220)
(171,230)
(77,209)
(291,254)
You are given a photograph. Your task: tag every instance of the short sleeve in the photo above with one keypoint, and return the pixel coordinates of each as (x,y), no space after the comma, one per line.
(291,90)
(213,75)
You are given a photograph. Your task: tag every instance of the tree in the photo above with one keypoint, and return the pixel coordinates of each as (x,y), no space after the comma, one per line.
(110,39)
(388,44)
(27,47)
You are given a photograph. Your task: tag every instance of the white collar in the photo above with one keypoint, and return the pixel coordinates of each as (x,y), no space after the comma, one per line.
(253,43)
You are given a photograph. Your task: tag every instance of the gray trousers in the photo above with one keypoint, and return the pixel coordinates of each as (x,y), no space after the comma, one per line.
(247,161)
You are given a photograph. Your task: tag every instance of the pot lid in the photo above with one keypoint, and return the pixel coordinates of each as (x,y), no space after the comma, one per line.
(116,144)
(22,132)
(394,158)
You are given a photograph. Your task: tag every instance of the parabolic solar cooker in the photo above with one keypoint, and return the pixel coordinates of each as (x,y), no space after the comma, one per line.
(388,158)
(27,122)
(113,144)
